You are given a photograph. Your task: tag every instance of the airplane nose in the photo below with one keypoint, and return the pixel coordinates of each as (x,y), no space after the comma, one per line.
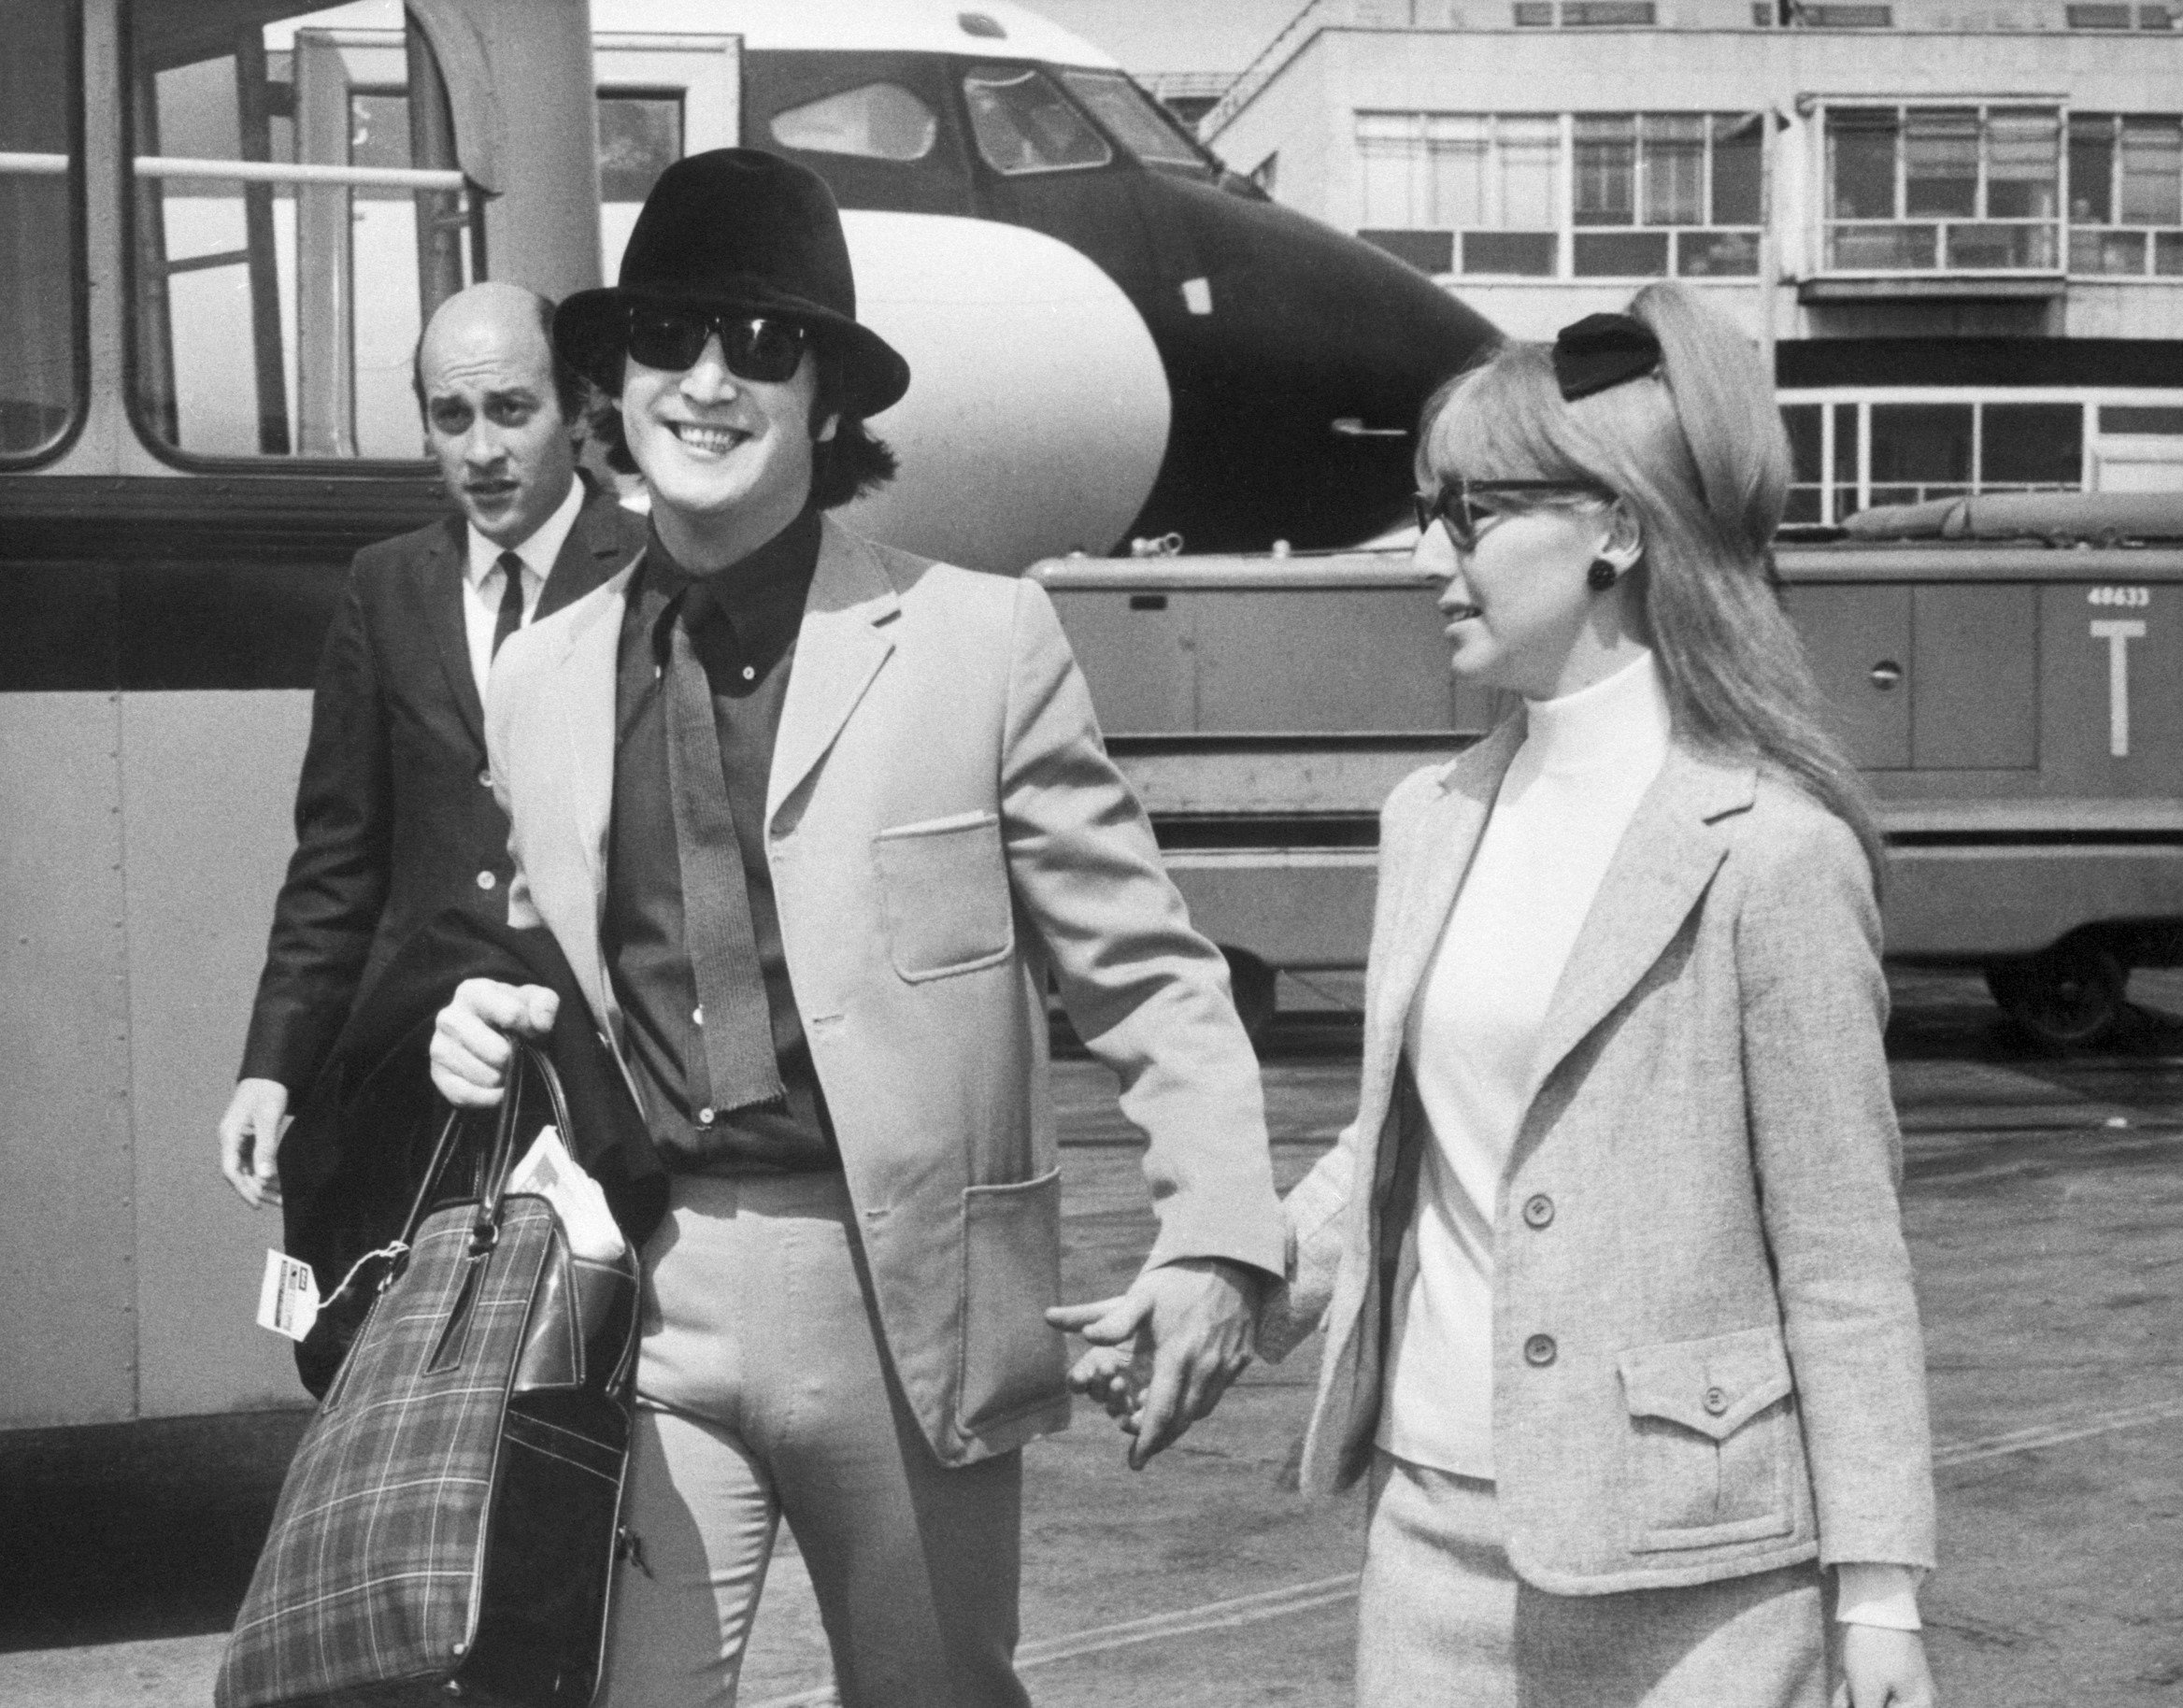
(1298,359)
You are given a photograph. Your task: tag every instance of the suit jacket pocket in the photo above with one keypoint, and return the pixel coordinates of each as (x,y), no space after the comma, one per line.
(944,895)
(1011,1360)
(1711,1456)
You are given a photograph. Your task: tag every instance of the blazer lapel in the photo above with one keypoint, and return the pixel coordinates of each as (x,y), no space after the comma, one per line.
(584,659)
(1666,860)
(1434,856)
(441,593)
(839,649)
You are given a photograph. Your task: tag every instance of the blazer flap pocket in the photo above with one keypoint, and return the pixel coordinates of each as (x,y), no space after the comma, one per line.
(944,895)
(1713,1385)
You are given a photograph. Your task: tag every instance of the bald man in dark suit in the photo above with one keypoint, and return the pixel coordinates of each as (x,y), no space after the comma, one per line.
(395,817)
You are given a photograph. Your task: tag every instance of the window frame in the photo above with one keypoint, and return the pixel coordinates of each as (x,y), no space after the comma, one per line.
(1827,228)
(1417,146)
(78,267)
(2150,236)
(1114,154)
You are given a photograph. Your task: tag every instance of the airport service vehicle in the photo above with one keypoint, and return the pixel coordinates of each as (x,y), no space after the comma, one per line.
(221,224)
(2002,669)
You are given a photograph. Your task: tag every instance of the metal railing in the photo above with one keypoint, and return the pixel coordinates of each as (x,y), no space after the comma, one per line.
(20,164)
(1944,246)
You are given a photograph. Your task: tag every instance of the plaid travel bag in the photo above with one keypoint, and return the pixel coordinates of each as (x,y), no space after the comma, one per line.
(449,1525)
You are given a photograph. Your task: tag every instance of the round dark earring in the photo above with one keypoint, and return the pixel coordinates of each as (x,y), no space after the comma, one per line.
(1600,577)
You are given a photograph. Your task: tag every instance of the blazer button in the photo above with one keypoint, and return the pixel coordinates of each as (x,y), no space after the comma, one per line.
(1716,1402)
(485,778)
(1538,1210)
(1539,1351)
(486,881)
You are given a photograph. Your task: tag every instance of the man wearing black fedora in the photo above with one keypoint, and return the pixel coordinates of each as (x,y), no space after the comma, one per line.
(815,822)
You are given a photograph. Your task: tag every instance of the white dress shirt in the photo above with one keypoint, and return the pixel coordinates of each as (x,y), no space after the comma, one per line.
(483,579)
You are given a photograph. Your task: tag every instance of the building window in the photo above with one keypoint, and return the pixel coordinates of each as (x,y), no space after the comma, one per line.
(1844,17)
(1953,189)
(1848,456)
(1587,195)
(2120,17)
(2125,195)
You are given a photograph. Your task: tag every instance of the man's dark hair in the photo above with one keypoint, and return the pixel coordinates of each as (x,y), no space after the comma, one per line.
(855,461)
(570,392)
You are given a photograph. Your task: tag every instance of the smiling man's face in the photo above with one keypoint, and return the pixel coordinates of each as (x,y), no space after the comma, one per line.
(728,459)
(491,414)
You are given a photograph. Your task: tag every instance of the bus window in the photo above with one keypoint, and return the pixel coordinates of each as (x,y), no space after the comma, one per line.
(41,381)
(295,217)
(1024,124)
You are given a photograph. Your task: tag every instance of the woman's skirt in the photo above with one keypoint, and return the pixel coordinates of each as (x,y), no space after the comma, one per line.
(1442,1618)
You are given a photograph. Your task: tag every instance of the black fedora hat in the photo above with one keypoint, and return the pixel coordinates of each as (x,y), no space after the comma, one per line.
(737,228)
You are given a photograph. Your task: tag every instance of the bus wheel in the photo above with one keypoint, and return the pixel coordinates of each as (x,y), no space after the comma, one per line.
(2068,995)
(1252,981)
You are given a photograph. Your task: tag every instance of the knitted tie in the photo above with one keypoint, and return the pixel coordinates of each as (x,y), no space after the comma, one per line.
(736,1024)
(511,600)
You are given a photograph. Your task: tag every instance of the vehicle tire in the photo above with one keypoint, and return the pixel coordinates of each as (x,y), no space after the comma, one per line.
(1256,1003)
(2069,995)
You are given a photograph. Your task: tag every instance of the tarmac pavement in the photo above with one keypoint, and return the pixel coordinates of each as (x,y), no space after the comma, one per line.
(2043,1202)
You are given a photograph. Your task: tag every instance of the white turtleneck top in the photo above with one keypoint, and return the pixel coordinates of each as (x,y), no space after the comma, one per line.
(1586,761)
(1472,1039)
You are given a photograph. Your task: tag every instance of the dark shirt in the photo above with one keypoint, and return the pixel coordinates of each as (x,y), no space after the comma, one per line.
(747,646)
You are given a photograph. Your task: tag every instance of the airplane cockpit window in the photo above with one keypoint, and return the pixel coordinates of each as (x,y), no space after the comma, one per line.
(1136,120)
(1024,124)
(877,120)
(296,215)
(40,378)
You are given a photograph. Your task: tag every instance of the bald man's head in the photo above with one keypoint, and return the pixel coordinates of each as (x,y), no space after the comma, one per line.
(500,413)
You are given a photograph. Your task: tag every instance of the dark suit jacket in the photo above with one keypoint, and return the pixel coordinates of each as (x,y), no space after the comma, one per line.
(394,818)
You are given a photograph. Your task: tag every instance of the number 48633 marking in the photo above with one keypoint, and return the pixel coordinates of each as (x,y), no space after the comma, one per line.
(2131,598)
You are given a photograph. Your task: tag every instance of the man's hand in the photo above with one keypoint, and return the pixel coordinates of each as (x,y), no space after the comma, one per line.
(470,1047)
(250,1140)
(1883,1669)
(1193,1319)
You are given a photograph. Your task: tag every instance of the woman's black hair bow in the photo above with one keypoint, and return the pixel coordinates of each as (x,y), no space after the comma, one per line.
(1602,351)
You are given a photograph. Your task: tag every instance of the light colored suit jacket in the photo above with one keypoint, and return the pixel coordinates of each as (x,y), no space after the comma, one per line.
(1706,1357)
(943,827)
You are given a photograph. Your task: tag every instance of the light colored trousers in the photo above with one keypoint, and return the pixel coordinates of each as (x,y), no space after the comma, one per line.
(1442,1618)
(766,1392)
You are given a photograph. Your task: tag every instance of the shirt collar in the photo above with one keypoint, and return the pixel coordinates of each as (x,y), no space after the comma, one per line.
(777,572)
(538,552)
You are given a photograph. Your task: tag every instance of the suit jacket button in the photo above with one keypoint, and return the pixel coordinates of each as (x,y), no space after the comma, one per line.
(1716,1402)
(486,881)
(1538,1210)
(1539,1351)
(485,778)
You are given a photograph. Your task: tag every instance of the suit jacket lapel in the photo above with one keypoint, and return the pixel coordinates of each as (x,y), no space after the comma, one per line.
(1662,867)
(440,593)
(839,649)
(600,544)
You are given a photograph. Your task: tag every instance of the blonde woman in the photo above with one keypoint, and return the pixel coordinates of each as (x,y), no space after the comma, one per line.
(1619,1322)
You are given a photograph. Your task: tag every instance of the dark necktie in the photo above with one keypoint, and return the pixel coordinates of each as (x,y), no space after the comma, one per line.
(511,601)
(736,1024)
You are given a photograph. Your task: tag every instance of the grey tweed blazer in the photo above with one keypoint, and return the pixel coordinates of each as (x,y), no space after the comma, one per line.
(1707,1353)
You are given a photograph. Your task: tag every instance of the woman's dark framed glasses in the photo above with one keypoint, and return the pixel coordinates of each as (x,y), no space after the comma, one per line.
(1457,507)
(760,346)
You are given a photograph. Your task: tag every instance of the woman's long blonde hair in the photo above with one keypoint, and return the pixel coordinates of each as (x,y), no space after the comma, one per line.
(1698,455)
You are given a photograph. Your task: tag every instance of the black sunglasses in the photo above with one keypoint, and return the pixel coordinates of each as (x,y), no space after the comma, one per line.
(755,346)
(1456,507)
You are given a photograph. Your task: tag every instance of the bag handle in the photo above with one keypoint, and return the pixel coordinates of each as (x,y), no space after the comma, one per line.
(528,1061)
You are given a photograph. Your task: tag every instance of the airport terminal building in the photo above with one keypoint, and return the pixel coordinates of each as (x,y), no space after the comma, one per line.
(1959,222)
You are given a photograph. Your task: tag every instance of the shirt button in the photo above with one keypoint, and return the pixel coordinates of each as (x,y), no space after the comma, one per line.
(485,778)
(1538,1210)
(704,1116)
(1716,1402)
(697,1015)
(749,673)
(486,881)
(1539,1351)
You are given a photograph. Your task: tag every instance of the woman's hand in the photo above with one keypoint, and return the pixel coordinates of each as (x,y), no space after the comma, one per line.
(1883,1667)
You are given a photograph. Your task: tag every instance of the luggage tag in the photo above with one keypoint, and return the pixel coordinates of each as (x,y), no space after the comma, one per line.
(549,1172)
(288,1297)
